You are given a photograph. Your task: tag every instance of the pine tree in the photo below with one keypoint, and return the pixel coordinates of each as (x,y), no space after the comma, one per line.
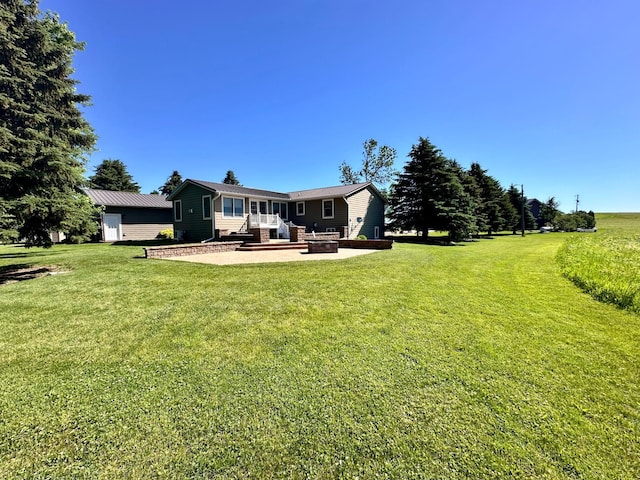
(171,184)
(489,198)
(516,199)
(113,175)
(43,136)
(230,178)
(429,194)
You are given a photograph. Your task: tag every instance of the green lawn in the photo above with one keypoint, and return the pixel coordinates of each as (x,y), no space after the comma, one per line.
(474,361)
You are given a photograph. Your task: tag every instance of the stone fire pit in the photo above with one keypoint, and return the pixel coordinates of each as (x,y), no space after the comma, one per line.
(323,246)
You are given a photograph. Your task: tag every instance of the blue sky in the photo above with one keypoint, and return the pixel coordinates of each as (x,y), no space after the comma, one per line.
(544,93)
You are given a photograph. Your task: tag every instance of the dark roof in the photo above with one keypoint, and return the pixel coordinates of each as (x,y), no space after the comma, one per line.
(126,199)
(232,189)
(328,192)
(312,194)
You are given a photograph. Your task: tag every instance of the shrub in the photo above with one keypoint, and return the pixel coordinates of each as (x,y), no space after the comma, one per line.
(166,234)
(361,237)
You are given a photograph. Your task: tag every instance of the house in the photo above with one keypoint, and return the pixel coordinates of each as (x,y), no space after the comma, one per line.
(130,216)
(206,210)
(535,207)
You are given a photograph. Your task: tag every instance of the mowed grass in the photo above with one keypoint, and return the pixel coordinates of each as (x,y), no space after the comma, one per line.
(475,361)
(607,264)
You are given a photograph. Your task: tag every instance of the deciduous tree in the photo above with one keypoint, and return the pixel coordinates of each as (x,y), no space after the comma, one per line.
(113,175)
(377,165)
(43,136)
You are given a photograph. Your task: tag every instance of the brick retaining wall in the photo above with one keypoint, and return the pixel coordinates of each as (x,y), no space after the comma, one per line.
(190,249)
(373,244)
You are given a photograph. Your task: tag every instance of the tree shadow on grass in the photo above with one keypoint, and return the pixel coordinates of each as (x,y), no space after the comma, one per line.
(28,253)
(21,272)
(443,241)
(435,241)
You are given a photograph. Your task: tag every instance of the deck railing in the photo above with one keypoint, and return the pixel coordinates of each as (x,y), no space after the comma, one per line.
(263,220)
(268,220)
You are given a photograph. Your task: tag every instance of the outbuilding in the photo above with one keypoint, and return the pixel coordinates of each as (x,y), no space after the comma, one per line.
(131,216)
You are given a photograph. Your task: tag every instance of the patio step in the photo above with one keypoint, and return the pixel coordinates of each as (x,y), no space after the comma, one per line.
(254,247)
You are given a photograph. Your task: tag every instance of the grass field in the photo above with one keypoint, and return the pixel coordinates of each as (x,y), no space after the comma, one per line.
(607,265)
(474,361)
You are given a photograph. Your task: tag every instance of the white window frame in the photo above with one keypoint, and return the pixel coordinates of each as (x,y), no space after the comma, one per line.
(233,207)
(333,208)
(298,209)
(205,199)
(177,207)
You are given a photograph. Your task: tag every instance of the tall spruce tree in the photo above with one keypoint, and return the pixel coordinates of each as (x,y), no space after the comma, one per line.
(429,194)
(113,175)
(517,200)
(489,200)
(43,135)
(174,180)
(230,178)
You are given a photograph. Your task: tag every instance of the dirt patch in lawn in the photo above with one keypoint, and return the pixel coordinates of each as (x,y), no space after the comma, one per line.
(19,273)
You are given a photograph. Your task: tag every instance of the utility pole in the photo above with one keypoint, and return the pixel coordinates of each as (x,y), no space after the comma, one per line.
(577,202)
(522,202)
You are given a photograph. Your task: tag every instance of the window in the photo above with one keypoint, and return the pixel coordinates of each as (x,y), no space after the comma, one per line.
(177,210)
(206,207)
(376,232)
(327,208)
(232,207)
(300,209)
(238,207)
(279,208)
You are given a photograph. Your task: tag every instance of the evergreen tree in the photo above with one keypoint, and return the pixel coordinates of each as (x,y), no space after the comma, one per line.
(549,210)
(43,135)
(112,175)
(429,194)
(230,178)
(174,180)
(516,199)
(489,200)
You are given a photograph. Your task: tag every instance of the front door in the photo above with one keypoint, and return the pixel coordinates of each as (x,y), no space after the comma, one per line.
(258,206)
(112,227)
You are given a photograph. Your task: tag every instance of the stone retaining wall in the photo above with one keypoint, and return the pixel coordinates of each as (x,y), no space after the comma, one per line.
(308,237)
(323,246)
(190,249)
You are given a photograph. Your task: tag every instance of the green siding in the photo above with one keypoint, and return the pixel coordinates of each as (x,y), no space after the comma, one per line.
(194,227)
(313,214)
